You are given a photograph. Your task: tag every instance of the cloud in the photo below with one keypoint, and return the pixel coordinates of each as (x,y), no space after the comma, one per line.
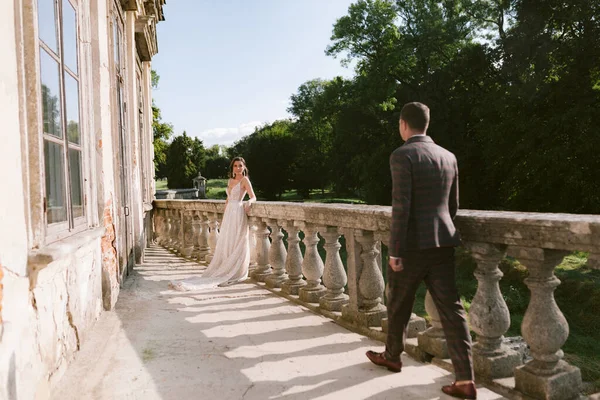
(227,136)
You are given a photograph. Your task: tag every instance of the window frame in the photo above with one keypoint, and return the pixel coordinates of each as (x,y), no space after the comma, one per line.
(72,224)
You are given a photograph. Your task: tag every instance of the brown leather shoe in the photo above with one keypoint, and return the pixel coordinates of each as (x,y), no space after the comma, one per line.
(467,391)
(379,359)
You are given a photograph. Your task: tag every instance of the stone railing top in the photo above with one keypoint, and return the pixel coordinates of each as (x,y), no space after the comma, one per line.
(542,230)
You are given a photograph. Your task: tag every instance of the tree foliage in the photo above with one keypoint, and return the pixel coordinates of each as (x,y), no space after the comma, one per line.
(513,87)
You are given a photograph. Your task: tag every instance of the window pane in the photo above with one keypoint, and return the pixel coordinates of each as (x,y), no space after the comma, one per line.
(50,95)
(69,35)
(55,182)
(47,23)
(117,43)
(76,182)
(72,101)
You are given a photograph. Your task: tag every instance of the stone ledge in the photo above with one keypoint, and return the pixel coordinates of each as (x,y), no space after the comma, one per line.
(40,258)
(539,230)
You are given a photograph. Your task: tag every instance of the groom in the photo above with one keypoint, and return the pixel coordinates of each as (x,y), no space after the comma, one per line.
(421,248)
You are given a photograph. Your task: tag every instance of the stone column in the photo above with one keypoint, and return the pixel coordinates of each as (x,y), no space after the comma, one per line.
(181,232)
(213,236)
(293,262)
(203,236)
(277,256)
(166,241)
(433,340)
(312,266)
(175,223)
(263,268)
(187,247)
(594,260)
(545,330)
(334,275)
(158,215)
(252,242)
(489,316)
(196,229)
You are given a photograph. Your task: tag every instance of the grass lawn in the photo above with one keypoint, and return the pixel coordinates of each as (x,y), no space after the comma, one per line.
(216,190)
(161,184)
(578,296)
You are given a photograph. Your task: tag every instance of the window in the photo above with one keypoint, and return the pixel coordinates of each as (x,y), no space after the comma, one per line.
(60,104)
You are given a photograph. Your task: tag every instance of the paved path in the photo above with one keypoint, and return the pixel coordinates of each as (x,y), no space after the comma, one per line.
(239,342)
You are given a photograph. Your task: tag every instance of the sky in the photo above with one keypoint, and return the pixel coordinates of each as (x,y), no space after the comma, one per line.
(227,66)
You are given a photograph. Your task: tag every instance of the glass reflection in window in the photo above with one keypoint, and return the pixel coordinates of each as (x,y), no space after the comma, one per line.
(72,100)
(76,182)
(56,208)
(69,35)
(47,23)
(50,95)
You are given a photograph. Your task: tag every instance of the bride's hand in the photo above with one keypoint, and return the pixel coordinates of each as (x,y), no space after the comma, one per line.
(247,207)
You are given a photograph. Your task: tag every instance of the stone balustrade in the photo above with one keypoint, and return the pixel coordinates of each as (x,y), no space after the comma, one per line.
(355,292)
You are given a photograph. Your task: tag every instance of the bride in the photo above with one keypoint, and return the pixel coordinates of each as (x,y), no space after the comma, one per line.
(232,253)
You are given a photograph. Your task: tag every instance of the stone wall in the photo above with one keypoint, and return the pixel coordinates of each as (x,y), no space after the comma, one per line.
(538,241)
(54,285)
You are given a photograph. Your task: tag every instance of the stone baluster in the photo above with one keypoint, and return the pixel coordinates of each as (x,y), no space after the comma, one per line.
(416,324)
(312,266)
(188,233)
(213,237)
(545,330)
(196,229)
(166,241)
(175,234)
(263,268)
(253,243)
(159,225)
(334,275)
(489,316)
(203,236)
(433,340)
(594,260)
(180,231)
(277,256)
(293,262)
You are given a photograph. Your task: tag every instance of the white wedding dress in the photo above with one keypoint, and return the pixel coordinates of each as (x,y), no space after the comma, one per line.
(232,253)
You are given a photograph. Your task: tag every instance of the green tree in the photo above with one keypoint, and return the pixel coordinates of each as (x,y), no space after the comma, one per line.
(184,158)
(269,153)
(217,163)
(162,133)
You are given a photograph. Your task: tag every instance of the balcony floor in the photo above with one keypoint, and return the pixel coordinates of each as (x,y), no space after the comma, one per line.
(230,343)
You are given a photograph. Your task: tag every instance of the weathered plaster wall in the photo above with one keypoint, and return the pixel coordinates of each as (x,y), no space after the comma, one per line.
(105,150)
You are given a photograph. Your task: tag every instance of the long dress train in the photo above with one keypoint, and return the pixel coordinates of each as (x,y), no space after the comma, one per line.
(232,254)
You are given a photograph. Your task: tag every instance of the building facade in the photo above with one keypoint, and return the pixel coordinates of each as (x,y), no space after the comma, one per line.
(76,157)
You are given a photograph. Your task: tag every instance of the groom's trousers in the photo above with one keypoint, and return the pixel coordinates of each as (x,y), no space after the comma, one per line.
(436,267)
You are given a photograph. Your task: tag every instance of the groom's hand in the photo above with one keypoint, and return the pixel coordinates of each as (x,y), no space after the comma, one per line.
(396,264)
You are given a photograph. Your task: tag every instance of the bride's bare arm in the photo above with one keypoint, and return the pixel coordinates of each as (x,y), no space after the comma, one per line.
(248,188)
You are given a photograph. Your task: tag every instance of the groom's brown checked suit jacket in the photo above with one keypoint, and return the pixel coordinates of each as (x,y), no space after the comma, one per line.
(424,197)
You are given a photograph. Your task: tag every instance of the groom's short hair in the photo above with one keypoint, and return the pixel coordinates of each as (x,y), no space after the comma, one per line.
(416,115)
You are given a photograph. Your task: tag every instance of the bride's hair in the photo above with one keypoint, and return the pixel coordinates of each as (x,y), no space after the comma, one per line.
(245,172)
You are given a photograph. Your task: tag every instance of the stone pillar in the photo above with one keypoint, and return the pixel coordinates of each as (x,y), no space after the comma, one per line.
(594,260)
(545,330)
(433,340)
(334,275)
(253,244)
(277,256)
(196,229)
(263,268)
(158,216)
(293,262)
(203,236)
(489,316)
(170,229)
(181,232)
(175,224)
(312,266)
(188,233)
(213,237)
